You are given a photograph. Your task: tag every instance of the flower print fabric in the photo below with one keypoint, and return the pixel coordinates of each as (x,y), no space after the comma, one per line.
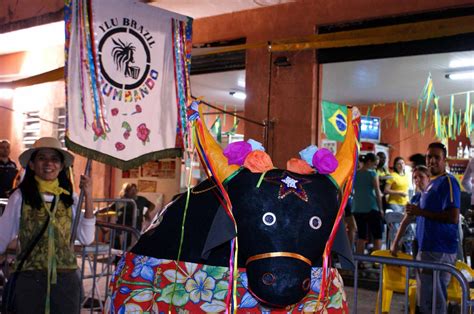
(144,284)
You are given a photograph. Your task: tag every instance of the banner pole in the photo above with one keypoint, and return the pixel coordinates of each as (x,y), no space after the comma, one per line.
(75,222)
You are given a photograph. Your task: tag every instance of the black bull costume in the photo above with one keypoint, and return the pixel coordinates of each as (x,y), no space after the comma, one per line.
(282,230)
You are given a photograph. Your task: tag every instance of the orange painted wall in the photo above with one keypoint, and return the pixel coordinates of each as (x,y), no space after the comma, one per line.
(293,97)
(10,64)
(45,98)
(18,10)
(288,97)
(402,141)
(6,119)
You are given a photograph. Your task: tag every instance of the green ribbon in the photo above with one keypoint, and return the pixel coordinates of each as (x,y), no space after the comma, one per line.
(261,179)
(52,263)
(459,122)
(451,118)
(181,238)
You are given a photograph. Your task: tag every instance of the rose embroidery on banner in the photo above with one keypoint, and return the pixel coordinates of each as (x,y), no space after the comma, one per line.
(138,109)
(114,111)
(127,128)
(119,146)
(98,131)
(143,133)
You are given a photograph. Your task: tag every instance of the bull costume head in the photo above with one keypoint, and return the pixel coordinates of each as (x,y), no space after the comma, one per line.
(283,219)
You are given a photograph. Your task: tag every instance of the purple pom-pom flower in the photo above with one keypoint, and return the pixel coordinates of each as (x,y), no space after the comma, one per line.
(236,152)
(324,161)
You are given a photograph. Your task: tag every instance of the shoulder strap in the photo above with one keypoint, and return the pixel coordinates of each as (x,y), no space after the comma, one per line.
(35,241)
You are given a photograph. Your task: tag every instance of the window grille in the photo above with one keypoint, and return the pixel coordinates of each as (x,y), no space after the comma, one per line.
(31,128)
(61,126)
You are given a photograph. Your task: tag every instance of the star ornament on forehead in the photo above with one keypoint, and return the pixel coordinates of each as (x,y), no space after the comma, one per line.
(290,184)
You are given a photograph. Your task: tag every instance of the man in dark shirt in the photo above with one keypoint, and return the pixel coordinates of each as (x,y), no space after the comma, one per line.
(125,213)
(130,191)
(8,170)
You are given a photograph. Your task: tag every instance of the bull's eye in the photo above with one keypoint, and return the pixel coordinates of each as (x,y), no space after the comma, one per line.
(269,218)
(315,222)
(306,284)
(268,279)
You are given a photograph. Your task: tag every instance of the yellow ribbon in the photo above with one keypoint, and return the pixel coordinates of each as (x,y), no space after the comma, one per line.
(52,272)
(51,187)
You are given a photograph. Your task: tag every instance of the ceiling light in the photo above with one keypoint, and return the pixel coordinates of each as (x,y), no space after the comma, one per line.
(464,75)
(462,63)
(33,38)
(238,95)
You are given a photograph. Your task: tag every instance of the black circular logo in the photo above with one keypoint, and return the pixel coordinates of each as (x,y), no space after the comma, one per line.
(124,58)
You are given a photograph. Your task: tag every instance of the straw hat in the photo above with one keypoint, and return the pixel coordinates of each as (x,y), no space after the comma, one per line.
(46,142)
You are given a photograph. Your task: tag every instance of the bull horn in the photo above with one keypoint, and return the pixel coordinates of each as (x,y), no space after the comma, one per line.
(347,153)
(215,155)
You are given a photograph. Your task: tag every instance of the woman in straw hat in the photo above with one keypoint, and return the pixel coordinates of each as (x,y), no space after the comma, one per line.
(41,210)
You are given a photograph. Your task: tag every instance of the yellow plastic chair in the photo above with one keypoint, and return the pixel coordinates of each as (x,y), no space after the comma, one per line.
(394,279)
(454,288)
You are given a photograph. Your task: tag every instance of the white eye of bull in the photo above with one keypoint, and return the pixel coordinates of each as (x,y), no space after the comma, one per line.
(269,218)
(315,222)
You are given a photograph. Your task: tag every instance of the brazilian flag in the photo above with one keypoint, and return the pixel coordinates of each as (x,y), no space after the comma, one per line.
(334,121)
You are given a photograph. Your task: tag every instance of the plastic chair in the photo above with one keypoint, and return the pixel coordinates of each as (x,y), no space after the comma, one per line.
(393,220)
(394,280)
(454,288)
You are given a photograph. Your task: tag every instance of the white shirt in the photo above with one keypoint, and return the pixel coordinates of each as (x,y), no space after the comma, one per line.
(467,179)
(10,221)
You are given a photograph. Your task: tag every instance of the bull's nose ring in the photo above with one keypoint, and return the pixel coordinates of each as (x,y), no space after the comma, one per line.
(268,279)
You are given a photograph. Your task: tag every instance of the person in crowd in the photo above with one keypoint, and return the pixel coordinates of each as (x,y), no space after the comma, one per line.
(397,187)
(437,217)
(468,210)
(8,170)
(43,207)
(466,181)
(125,213)
(421,177)
(384,175)
(349,221)
(367,204)
(417,160)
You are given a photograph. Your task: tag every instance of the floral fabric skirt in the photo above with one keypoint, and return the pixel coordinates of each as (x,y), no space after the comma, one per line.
(144,284)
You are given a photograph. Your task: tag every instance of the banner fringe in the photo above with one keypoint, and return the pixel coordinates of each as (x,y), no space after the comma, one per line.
(119,163)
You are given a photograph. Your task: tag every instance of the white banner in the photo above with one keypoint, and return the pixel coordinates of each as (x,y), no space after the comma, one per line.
(122,89)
